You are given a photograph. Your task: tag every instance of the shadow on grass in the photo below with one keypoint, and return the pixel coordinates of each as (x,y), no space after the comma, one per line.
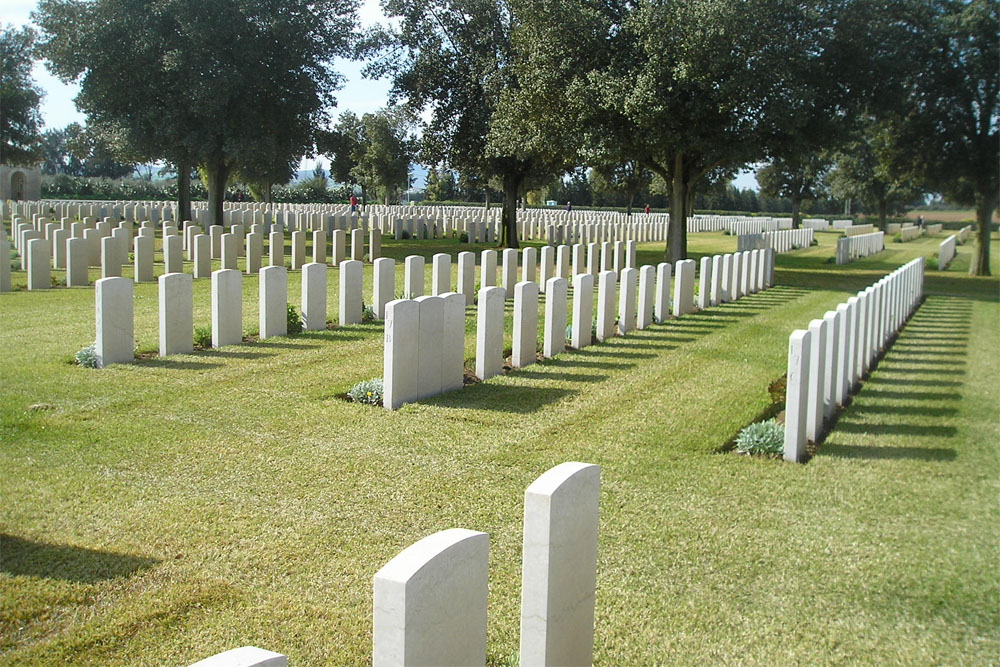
(181,365)
(915,395)
(27,558)
(500,398)
(877,453)
(565,377)
(893,381)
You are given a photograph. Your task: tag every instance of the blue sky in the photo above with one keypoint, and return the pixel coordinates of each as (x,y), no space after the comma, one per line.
(358,94)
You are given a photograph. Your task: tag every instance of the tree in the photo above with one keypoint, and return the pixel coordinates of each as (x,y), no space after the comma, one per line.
(867,170)
(481,70)
(56,156)
(949,132)
(799,179)
(20,98)
(440,185)
(343,145)
(629,178)
(96,153)
(228,85)
(383,159)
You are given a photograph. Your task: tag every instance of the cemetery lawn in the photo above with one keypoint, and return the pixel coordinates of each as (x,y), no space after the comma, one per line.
(163,511)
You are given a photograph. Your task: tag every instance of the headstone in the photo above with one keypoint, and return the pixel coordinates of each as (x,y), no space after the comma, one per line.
(661,305)
(831,359)
(525,333)
(276,249)
(314,296)
(429,602)
(114,343)
(338,241)
(554,337)
(202,256)
(489,332)
(684,288)
(413,277)
(467,276)
(227,307)
(562,261)
(547,268)
(351,303)
(440,273)
(176,317)
(215,234)
(734,277)
(453,342)
(817,380)
(579,259)
(39,264)
(509,271)
(357,245)
(143,253)
(57,246)
(626,300)
(246,656)
(77,270)
(383,285)
(647,280)
(529,264)
(111,266)
(705,284)
(374,244)
(583,310)
(430,352)
(488,268)
(173,254)
(797,394)
(843,385)
(726,279)
(559,566)
(298,249)
(273,300)
(402,321)
(606,305)
(5,266)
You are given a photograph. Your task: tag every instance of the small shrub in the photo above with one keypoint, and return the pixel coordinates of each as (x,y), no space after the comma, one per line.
(404,235)
(369,391)
(463,237)
(87,357)
(897,238)
(761,438)
(569,332)
(294,321)
(777,389)
(367,315)
(203,337)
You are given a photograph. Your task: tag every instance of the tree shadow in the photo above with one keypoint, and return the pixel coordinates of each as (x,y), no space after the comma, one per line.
(566,377)
(175,363)
(916,395)
(27,558)
(883,453)
(897,429)
(915,382)
(922,410)
(499,397)
(232,354)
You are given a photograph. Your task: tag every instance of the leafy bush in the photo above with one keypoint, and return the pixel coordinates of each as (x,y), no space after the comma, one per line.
(404,235)
(294,321)
(367,315)
(369,391)
(203,337)
(761,438)
(87,357)
(463,237)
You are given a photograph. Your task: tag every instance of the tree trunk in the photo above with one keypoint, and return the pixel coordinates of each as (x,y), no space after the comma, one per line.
(218,176)
(508,214)
(796,212)
(183,191)
(486,199)
(677,231)
(980,264)
(883,213)
(628,205)
(267,192)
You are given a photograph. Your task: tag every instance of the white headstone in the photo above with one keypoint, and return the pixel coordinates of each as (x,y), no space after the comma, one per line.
(626,300)
(489,332)
(430,352)
(647,285)
(661,304)
(227,307)
(176,317)
(350,288)
(114,342)
(606,305)
(383,285)
(440,273)
(508,271)
(39,264)
(399,374)
(467,276)
(525,333)
(583,310)
(797,394)
(684,288)
(314,296)
(453,342)
(413,276)
(554,337)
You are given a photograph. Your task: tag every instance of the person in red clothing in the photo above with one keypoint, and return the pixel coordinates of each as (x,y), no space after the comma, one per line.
(647,209)
(354,203)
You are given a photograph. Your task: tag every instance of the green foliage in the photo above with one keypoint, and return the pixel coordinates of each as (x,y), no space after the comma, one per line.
(762,438)
(369,391)
(367,315)
(87,356)
(294,321)
(203,337)
(20,98)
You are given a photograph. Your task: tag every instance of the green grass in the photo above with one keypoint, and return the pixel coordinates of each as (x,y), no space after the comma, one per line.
(160,512)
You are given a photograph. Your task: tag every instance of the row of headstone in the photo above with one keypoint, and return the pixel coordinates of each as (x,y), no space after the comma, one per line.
(786,240)
(964,233)
(429,602)
(114,308)
(827,360)
(756,225)
(910,232)
(946,252)
(935,229)
(857,230)
(851,248)
(816,224)
(842,224)
(419,327)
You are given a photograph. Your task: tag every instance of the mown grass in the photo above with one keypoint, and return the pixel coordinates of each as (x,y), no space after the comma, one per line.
(159,512)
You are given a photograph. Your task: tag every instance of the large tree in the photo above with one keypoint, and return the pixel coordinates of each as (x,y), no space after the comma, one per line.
(949,133)
(20,98)
(492,88)
(800,179)
(224,85)
(385,152)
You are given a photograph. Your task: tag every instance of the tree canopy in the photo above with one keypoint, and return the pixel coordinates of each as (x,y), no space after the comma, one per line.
(20,98)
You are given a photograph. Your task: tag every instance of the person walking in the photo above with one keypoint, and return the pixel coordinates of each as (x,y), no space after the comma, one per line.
(354,204)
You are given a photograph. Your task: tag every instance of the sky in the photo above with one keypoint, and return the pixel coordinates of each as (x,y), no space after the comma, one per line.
(358,94)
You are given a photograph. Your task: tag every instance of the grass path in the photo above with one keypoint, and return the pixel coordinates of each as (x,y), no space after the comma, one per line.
(160,512)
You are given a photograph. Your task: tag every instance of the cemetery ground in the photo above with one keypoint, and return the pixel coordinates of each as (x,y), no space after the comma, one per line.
(163,511)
